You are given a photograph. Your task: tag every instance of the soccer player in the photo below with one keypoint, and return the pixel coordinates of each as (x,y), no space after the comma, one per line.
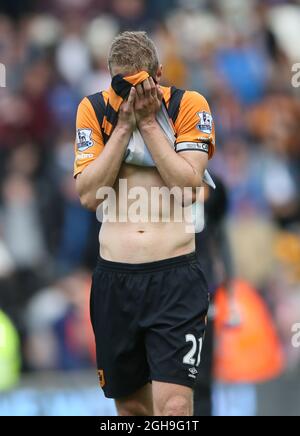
(149,298)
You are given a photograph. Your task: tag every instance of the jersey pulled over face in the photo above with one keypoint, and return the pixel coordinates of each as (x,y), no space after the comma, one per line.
(194,128)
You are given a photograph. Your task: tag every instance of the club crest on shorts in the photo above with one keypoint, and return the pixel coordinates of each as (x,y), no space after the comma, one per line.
(206,122)
(84,139)
(101,378)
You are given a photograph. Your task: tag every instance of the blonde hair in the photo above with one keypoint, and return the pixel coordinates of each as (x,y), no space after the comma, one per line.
(134,51)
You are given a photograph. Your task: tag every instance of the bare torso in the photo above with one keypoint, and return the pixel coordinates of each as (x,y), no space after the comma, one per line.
(143,242)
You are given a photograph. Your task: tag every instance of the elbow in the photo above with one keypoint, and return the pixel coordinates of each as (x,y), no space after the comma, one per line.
(87,199)
(193,194)
(88,202)
(189,199)
(194,198)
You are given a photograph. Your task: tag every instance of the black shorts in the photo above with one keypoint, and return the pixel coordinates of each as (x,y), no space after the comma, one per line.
(149,322)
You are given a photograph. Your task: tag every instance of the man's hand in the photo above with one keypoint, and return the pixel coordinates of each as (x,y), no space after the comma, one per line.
(147,102)
(127,118)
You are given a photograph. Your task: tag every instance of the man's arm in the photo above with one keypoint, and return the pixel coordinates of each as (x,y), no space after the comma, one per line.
(185,169)
(104,170)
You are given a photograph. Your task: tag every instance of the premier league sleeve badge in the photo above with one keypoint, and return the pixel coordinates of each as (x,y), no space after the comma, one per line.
(206,122)
(84,139)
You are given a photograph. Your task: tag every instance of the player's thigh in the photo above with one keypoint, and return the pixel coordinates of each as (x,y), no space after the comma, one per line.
(172,400)
(138,404)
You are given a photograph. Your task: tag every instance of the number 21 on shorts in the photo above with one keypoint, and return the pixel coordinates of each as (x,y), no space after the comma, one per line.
(193,357)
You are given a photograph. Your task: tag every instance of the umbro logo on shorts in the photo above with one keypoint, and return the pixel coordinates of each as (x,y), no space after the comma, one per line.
(193,372)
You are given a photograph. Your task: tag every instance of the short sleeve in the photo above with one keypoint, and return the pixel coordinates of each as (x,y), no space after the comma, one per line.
(194,126)
(89,142)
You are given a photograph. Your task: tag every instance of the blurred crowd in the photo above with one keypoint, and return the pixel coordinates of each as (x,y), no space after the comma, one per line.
(239,54)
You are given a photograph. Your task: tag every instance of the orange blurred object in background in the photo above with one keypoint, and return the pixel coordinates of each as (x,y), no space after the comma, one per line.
(250,351)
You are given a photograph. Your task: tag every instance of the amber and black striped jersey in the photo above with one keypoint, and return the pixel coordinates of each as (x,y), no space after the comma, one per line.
(188,111)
